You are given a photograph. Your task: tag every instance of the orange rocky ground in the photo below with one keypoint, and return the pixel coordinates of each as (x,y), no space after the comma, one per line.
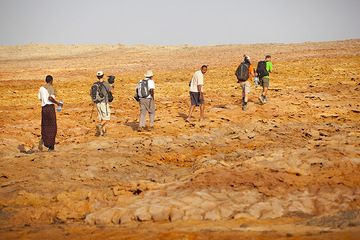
(285,170)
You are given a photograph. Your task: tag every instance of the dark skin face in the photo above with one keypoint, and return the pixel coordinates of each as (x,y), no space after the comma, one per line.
(204,70)
(100,78)
(51,99)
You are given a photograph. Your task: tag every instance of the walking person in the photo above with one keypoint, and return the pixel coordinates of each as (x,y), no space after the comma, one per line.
(100,92)
(47,96)
(146,95)
(197,92)
(244,73)
(263,70)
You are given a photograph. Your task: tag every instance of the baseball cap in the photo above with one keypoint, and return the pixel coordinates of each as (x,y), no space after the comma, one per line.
(100,73)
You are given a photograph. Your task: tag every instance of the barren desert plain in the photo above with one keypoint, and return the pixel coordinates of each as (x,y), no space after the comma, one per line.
(288,169)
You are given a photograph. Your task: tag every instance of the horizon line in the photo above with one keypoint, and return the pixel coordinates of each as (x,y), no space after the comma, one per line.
(175,45)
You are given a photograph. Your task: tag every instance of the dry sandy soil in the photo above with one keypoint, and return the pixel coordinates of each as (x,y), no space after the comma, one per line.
(288,169)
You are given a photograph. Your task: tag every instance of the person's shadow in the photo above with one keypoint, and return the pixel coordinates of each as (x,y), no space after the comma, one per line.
(22,149)
(134,125)
(182,115)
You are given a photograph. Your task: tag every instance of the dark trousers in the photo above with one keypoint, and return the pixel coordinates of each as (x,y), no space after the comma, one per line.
(48,125)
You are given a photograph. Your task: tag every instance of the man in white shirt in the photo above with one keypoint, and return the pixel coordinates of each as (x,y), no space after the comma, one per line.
(197,92)
(146,94)
(48,116)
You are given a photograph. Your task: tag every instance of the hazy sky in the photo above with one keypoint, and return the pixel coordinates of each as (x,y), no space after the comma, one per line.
(172,22)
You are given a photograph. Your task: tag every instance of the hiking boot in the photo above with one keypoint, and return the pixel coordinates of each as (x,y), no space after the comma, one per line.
(265,99)
(140,129)
(103,131)
(51,149)
(98,130)
(244,106)
(261,99)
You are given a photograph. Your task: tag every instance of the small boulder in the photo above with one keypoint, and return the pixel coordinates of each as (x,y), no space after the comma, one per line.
(159,213)
(126,217)
(193,214)
(176,214)
(142,214)
(213,215)
(105,217)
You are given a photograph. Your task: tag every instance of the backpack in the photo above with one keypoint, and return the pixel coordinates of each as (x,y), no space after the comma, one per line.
(242,72)
(96,94)
(143,89)
(110,96)
(261,69)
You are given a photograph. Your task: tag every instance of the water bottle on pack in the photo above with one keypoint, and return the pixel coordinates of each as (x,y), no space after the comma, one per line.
(59,108)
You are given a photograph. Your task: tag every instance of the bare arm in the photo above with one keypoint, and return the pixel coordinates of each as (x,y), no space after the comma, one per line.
(152,93)
(200,91)
(51,99)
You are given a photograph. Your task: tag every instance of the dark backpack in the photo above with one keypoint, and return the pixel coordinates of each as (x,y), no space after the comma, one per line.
(96,92)
(110,96)
(111,80)
(242,72)
(261,69)
(143,89)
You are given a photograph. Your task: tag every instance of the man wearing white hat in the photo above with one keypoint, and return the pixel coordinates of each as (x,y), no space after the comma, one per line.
(146,94)
(99,93)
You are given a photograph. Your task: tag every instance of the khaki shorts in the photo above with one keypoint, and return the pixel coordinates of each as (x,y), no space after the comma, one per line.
(245,86)
(264,82)
(103,111)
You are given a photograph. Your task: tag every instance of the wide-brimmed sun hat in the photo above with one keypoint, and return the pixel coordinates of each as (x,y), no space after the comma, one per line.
(149,73)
